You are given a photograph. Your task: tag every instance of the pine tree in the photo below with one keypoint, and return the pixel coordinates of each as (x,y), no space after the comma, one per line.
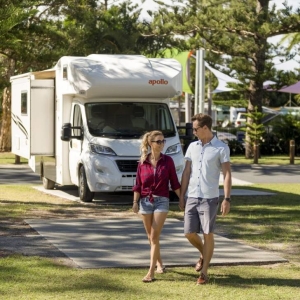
(255,131)
(237,30)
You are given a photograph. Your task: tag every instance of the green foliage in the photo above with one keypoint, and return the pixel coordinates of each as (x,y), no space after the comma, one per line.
(254,128)
(237,32)
(287,128)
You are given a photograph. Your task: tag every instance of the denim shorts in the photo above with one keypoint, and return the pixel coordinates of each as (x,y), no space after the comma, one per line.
(200,215)
(160,204)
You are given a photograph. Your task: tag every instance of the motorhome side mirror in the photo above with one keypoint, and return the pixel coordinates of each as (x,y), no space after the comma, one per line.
(66,132)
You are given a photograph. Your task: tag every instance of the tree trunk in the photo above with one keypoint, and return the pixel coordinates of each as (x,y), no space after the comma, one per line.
(5,133)
(256,152)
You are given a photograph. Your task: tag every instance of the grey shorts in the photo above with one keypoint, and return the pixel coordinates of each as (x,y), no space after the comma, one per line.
(160,204)
(200,215)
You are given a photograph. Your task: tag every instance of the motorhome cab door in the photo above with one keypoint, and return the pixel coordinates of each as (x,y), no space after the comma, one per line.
(75,145)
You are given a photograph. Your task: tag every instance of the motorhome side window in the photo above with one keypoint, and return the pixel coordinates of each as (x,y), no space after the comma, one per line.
(65,72)
(24,103)
(77,120)
(128,119)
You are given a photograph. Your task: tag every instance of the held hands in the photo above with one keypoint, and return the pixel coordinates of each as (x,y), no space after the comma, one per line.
(225,207)
(135,207)
(181,203)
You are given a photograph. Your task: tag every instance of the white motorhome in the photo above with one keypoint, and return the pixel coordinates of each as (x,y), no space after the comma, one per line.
(80,123)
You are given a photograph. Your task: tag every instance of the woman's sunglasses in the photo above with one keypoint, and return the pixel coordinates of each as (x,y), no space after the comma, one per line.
(159,142)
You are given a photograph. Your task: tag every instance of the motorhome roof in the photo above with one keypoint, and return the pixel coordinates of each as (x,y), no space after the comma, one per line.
(45,74)
(126,76)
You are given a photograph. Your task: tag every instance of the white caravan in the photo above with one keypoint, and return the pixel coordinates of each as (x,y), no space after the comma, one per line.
(80,123)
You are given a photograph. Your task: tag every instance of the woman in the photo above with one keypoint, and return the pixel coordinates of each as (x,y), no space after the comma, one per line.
(151,193)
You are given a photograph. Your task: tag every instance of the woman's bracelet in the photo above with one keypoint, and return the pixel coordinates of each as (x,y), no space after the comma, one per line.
(135,202)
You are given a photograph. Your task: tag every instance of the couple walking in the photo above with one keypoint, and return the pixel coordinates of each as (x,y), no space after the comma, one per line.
(198,192)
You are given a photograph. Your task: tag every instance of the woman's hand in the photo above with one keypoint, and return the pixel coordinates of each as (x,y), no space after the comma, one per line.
(135,207)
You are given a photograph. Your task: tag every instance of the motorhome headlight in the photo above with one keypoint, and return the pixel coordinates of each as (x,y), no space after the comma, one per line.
(173,149)
(101,149)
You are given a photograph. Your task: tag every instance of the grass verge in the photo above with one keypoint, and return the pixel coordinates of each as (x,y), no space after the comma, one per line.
(271,223)
(9,158)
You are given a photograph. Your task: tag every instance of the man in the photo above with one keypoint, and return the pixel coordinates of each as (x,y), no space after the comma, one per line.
(205,159)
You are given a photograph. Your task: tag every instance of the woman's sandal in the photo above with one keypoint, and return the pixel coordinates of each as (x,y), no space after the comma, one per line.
(161,270)
(148,279)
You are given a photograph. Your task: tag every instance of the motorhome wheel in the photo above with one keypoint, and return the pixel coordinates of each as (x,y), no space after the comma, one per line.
(85,194)
(48,184)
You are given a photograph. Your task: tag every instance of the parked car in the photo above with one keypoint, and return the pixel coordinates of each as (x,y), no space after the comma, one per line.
(225,136)
(241,120)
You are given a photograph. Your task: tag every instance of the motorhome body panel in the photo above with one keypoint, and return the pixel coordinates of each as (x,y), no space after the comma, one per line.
(113,167)
(109,157)
(32,117)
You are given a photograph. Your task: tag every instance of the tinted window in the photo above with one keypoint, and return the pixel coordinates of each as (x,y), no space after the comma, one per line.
(77,120)
(123,119)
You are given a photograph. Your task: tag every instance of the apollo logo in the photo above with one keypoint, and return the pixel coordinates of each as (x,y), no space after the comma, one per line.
(161,81)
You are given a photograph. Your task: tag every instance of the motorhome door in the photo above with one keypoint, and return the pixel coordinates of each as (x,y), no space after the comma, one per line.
(75,144)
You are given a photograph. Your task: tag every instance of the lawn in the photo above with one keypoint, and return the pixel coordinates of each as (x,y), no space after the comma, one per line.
(271,223)
(9,158)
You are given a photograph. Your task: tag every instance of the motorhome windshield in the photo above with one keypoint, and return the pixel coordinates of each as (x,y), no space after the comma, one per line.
(130,120)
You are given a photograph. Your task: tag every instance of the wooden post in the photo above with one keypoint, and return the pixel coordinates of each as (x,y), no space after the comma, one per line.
(292,152)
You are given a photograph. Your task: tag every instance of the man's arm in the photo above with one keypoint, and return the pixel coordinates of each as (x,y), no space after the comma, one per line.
(184,183)
(225,206)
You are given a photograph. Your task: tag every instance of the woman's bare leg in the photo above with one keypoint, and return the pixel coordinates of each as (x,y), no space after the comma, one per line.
(153,224)
(147,220)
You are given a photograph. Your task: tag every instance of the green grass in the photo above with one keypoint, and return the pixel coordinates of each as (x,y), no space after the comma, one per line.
(9,158)
(34,278)
(265,160)
(269,222)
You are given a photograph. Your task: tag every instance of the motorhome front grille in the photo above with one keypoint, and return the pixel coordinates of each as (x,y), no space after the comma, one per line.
(125,188)
(127,165)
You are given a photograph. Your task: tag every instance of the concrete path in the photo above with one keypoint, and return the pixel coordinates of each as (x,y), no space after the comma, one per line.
(96,243)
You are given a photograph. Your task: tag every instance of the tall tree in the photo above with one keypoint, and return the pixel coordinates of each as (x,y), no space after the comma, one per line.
(113,30)
(10,16)
(236,30)
(45,30)
(30,41)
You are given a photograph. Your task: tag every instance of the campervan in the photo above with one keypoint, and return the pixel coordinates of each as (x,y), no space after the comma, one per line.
(81,122)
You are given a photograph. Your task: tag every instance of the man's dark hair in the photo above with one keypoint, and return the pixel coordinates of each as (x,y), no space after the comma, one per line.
(203,120)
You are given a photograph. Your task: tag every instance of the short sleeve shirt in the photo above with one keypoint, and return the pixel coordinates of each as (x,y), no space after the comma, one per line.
(206,167)
(150,183)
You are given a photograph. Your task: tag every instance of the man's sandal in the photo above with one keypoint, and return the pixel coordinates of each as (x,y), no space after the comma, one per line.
(199,265)
(203,279)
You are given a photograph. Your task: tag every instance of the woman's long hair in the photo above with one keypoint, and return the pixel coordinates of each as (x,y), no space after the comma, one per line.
(146,142)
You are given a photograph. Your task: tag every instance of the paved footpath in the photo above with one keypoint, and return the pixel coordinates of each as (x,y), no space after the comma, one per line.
(96,243)
(100,243)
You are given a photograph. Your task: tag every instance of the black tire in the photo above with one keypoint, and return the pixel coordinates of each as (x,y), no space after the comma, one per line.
(84,192)
(48,184)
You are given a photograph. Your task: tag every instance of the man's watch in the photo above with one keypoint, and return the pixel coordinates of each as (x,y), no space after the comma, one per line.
(227,199)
